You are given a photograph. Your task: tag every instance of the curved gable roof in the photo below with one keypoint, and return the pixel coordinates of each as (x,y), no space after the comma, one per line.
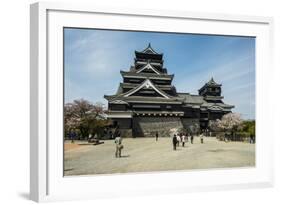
(149,67)
(147,83)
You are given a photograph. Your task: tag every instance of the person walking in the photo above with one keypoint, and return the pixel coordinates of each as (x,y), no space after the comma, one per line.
(175,141)
(90,137)
(183,139)
(251,139)
(201,138)
(156,136)
(178,139)
(225,137)
(186,137)
(191,138)
(119,146)
(72,135)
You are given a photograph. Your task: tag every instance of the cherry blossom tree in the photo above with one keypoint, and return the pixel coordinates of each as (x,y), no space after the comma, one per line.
(213,125)
(231,122)
(84,116)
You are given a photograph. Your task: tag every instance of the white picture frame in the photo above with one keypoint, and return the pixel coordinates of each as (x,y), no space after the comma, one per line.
(46,152)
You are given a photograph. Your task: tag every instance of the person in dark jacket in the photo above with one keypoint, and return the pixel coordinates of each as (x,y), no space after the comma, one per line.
(191,138)
(175,141)
(72,136)
(156,136)
(251,139)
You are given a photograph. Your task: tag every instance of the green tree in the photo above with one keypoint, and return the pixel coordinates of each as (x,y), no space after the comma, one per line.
(249,127)
(84,116)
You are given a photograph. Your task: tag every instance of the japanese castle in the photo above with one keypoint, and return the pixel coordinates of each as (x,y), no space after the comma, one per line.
(146,102)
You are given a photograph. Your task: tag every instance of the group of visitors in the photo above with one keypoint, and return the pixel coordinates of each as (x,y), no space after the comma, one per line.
(183,137)
(179,138)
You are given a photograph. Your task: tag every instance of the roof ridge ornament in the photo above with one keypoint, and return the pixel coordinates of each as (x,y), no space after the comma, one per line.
(149,49)
(212,82)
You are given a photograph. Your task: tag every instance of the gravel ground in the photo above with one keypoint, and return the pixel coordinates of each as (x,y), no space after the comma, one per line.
(146,155)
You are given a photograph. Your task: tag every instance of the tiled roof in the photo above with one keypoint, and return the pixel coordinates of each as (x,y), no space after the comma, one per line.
(143,99)
(191,99)
(147,75)
(133,85)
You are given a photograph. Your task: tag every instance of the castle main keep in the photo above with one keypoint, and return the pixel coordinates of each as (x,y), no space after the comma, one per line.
(146,102)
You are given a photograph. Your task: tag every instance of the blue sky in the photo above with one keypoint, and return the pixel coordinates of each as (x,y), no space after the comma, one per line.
(93,60)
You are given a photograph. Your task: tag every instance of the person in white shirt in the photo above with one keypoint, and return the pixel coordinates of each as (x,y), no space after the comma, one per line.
(178,139)
(183,139)
(202,138)
(119,146)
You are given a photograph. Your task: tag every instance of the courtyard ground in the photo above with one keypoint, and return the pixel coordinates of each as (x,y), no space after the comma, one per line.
(146,155)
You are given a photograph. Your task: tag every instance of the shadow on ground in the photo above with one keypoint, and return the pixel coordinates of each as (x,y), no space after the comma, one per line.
(24,195)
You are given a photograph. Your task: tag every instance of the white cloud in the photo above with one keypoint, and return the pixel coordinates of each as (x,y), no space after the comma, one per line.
(96,53)
(93,64)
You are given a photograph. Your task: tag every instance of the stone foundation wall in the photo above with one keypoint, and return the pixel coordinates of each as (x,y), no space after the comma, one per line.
(191,125)
(148,126)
